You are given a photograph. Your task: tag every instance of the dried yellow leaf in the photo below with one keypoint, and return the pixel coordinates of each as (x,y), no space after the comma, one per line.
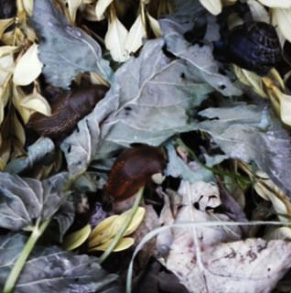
(4,24)
(213,6)
(107,231)
(76,238)
(28,67)
(36,102)
(123,244)
(135,36)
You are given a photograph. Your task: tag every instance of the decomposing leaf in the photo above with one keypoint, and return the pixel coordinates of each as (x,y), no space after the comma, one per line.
(63,48)
(77,238)
(61,271)
(252,134)
(23,200)
(103,234)
(253,265)
(28,68)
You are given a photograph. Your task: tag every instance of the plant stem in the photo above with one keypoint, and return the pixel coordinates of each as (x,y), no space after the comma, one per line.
(120,234)
(20,263)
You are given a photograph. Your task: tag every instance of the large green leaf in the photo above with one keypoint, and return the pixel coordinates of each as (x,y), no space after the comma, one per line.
(23,200)
(51,269)
(149,101)
(65,50)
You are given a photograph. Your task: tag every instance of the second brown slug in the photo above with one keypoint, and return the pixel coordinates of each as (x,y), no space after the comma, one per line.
(67,110)
(132,170)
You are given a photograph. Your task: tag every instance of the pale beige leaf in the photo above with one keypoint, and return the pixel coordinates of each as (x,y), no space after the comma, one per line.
(115,39)
(283,18)
(36,102)
(73,6)
(123,244)
(28,6)
(19,131)
(4,96)
(18,96)
(76,238)
(6,68)
(285,106)
(101,7)
(28,67)
(258,11)
(6,50)
(4,24)
(213,6)
(135,36)
(276,3)
(155,26)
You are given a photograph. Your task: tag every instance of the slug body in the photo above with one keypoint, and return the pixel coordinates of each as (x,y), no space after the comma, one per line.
(132,169)
(253,46)
(67,110)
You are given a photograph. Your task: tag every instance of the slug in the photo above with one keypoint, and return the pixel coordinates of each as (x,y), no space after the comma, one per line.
(253,46)
(132,170)
(67,110)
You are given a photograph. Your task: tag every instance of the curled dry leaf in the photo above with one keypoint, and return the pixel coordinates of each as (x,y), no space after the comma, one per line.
(67,110)
(28,68)
(132,169)
(103,234)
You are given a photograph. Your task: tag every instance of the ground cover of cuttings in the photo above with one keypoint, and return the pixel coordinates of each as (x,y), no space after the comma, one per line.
(145,146)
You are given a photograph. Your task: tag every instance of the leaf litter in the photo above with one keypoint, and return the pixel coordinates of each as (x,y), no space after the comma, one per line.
(215,219)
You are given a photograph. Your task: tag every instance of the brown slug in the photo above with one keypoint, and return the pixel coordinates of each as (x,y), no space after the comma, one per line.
(132,169)
(67,110)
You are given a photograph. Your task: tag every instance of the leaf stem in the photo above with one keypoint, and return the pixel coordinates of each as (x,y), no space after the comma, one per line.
(120,234)
(20,263)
